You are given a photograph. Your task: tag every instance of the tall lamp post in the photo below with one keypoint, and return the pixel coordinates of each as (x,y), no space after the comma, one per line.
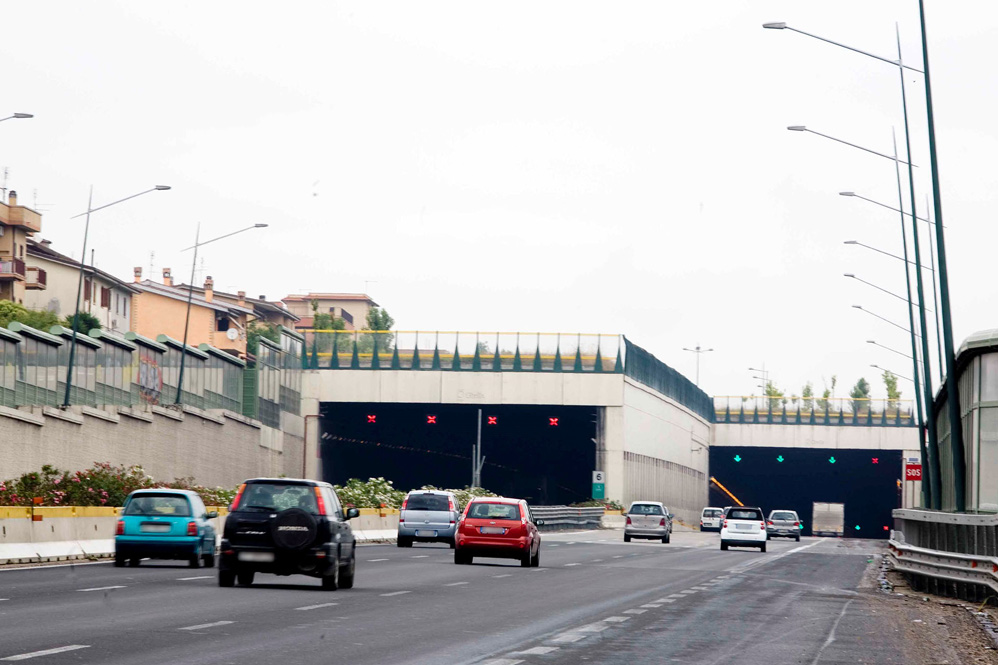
(79,285)
(17,116)
(699,351)
(190,296)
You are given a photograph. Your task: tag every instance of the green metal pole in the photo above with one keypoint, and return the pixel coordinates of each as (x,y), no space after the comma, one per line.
(952,389)
(79,293)
(187,320)
(930,488)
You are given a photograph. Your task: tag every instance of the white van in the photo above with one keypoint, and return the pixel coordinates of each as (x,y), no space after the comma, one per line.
(711,518)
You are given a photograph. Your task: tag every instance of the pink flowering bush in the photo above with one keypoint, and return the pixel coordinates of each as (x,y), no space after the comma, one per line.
(100,485)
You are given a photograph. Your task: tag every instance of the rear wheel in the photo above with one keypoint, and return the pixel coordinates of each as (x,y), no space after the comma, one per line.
(461,558)
(209,560)
(797,538)
(724,546)
(525,560)
(134,562)
(194,560)
(331,582)
(762,548)
(404,541)
(452,543)
(627,538)
(535,561)
(245,577)
(667,538)
(226,578)
(347,573)
(119,560)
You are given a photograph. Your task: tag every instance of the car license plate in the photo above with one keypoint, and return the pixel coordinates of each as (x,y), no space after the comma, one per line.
(257,557)
(493,529)
(743,527)
(154,528)
(426,534)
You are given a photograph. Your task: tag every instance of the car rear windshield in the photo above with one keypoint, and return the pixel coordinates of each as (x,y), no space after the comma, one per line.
(744,514)
(713,512)
(278,496)
(159,505)
(783,516)
(494,511)
(645,509)
(437,502)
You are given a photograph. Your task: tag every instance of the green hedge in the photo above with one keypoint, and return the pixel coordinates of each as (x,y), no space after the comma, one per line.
(381,493)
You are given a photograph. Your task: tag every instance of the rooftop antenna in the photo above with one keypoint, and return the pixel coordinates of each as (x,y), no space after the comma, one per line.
(6,172)
(35,205)
(152,263)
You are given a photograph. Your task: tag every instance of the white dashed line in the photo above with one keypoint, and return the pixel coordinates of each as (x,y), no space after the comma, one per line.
(572,564)
(502,661)
(376,560)
(592,628)
(421,556)
(46,652)
(103,588)
(675,595)
(316,607)
(199,577)
(503,575)
(395,593)
(668,600)
(616,619)
(206,625)
(597,560)
(688,592)
(567,637)
(537,651)
(635,611)
(618,556)
(456,584)
(652,605)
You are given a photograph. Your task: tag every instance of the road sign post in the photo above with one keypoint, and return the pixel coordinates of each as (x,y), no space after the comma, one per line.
(599,485)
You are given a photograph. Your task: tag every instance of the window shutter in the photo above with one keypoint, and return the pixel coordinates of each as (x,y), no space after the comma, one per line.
(86,289)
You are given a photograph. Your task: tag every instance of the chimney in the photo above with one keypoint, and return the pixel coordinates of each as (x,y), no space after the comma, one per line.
(263,297)
(46,243)
(209,288)
(242,298)
(167,277)
(138,273)
(12,198)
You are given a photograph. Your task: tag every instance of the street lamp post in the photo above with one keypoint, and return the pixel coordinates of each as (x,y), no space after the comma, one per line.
(802,128)
(79,285)
(896,325)
(890,293)
(900,353)
(699,351)
(17,116)
(884,369)
(190,296)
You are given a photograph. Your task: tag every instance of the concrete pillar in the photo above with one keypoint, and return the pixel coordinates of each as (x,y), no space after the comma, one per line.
(612,452)
(313,425)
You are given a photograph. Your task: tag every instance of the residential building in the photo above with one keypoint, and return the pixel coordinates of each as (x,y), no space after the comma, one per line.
(161,309)
(104,296)
(17,225)
(351,307)
(274,312)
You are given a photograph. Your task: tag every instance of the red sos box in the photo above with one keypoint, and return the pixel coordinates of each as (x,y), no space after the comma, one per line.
(913,472)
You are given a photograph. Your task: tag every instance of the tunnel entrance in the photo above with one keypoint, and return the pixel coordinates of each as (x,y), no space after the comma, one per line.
(544,454)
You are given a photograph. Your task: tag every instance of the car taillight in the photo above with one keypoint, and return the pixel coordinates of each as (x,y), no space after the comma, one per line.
(661,522)
(797,524)
(120,531)
(192,528)
(769,523)
(701,522)
(450,505)
(725,525)
(628,519)
(239,496)
(404,503)
(319,500)
(762,525)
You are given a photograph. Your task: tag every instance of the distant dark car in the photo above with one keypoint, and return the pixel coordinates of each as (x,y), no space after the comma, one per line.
(288,526)
(498,527)
(164,524)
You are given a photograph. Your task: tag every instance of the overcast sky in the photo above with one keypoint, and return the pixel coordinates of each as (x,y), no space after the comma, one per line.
(555,166)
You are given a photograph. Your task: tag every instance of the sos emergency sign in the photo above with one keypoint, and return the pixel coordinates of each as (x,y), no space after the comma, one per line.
(913,472)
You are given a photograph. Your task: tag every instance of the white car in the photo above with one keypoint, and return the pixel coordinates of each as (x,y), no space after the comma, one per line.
(744,526)
(711,519)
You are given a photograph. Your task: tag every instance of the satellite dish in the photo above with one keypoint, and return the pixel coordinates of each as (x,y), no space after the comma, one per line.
(232,334)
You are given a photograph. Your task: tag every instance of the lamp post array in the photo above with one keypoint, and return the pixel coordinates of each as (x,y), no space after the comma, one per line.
(699,351)
(18,116)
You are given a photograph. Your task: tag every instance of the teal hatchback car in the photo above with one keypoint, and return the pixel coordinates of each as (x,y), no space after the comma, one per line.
(165,524)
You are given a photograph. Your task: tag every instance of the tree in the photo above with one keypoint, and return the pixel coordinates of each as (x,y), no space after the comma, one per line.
(893,394)
(827,394)
(87,322)
(41,319)
(257,329)
(380,320)
(807,397)
(775,396)
(860,395)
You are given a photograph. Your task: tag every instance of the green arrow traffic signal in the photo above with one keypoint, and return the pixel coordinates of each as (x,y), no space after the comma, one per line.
(738,458)
(857,527)
(831,460)
(780,458)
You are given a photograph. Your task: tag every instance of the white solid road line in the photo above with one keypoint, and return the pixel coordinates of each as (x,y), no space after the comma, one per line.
(199,577)
(395,593)
(316,607)
(635,611)
(537,651)
(376,560)
(46,652)
(504,575)
(572,564)
(104,588)
(652,605)
(421,556)
(456,584)
(502,661)
(206,625)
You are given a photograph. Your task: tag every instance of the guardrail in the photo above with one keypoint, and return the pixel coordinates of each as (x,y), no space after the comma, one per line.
(949,554)
(566,517)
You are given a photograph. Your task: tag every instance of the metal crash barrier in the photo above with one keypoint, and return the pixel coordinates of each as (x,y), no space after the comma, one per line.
(566,517)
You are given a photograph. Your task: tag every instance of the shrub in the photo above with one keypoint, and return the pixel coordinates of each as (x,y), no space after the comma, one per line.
(378,492)
(609,504)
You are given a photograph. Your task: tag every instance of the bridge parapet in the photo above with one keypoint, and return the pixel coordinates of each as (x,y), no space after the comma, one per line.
(835,411)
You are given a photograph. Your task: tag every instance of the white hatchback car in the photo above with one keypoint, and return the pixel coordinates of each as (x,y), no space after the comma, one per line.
(744,526)
(711,519)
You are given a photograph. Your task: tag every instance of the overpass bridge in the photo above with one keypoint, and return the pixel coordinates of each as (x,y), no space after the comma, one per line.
(556,407)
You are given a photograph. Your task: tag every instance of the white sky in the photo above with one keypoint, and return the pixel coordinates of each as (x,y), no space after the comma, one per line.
(557,166)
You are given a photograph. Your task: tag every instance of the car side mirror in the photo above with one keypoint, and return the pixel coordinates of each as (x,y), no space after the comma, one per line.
(211,514)
(671,515)
(352,513)
(538,522)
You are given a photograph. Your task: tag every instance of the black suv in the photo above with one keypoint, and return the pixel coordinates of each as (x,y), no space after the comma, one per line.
(288,526)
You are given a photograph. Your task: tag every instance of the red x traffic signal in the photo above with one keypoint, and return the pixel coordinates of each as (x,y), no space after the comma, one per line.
(372,418)
(552,422)
(431,420)
(492,420)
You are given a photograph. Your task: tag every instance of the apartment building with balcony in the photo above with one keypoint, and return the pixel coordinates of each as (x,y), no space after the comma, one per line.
(269,311)
(161,308)
(17,224)
(104,296)
(351,307)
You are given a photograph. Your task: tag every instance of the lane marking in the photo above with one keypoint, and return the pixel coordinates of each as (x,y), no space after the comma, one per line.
(592,628)
(502,661)
(539,570)
(572,564)
(668,600)
(597,560)
(46,652)
(676,595)
(316,607)
(104,588)
(395,593)
(421,556)
(635,611)
(376,560)
(214,624)
(831,635)
(503,575)
(616,619)
(688,592)
(699,588)
(199,577)
(552,546)
(567,637)
(456,583)
(618,556)
(652,605)
(3,599)
(537,651)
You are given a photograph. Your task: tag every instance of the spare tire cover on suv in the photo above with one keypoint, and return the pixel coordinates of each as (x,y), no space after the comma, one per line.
(293,529)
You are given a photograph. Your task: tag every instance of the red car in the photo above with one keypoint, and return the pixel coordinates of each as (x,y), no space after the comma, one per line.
(501,528)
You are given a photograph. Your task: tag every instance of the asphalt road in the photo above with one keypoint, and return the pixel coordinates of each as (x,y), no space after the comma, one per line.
(594,599)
